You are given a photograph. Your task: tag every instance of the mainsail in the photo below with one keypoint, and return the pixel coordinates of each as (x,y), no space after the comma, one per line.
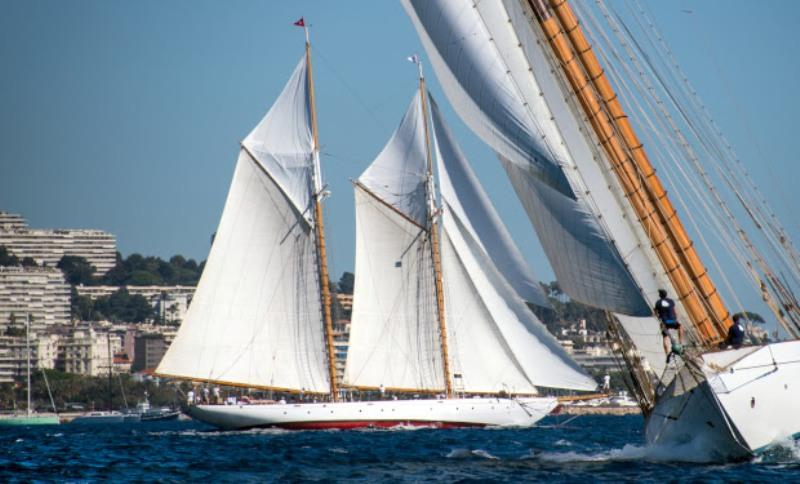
(256,319)
(495,342)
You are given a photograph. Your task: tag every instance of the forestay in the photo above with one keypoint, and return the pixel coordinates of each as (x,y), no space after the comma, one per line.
(394,333)
(497,89)
(255,319)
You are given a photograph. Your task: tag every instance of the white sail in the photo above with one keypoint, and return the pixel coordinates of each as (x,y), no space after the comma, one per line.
(460,186)
(506,98)
(394,333)
(495,342)
(255,319)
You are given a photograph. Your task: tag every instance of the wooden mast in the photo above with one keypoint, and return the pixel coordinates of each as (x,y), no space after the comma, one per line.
(322,256)
(681,264)
(434,233)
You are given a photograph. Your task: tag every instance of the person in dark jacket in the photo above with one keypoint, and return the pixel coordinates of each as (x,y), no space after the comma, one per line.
(735,333)
(665,310)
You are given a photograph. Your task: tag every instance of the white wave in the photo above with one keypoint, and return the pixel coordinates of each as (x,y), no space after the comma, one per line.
(630,452)
(338,450)
(468,453)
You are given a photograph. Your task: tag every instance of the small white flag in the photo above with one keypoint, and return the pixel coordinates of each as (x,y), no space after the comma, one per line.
(413,58)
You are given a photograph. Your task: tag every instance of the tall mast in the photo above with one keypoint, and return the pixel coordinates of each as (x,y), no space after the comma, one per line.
(634,172)
(28,354)
(434,232)
(322,257)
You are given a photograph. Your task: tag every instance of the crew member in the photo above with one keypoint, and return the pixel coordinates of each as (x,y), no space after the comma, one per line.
(665,310)
(735,333)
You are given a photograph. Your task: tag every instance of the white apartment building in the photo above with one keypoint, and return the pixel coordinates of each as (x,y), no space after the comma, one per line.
(43,351)
(170,302)
(86,352)
(47,246)
(38,291)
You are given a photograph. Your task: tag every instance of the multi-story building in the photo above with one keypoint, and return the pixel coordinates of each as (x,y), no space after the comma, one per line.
(6,365)
(170,302)
(88,352)
(43,353)
(38,292)
(150,349)
(47,246)
(12,221)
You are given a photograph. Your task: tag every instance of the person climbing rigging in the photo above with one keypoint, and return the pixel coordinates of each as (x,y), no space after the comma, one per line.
(665,310)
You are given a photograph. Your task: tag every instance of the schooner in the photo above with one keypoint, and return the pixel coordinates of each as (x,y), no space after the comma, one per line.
(523,76)
(433,311)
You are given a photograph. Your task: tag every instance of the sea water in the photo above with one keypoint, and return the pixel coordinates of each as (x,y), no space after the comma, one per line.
(587,448)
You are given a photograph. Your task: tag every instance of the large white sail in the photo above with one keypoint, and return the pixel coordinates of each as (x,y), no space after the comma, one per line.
(505,98)
(255,319)
(460,186)
(394,334)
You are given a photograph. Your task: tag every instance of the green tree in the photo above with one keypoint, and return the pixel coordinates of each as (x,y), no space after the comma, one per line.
(28,262)
(7,258)
(76,269)
(346,283)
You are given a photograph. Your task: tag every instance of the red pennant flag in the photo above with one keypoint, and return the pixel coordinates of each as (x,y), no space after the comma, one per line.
(300,23)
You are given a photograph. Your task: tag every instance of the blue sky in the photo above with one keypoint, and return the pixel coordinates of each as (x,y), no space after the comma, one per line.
(126,116)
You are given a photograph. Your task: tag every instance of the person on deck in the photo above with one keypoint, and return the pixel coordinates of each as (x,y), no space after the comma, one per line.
(735,333)
(665,310)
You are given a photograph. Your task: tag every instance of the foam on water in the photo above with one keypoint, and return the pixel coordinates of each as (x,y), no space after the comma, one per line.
(649,453)
(469,453)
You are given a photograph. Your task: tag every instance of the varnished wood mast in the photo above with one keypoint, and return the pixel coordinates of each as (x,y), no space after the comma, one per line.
(322,256)
(634,171)
(435,253)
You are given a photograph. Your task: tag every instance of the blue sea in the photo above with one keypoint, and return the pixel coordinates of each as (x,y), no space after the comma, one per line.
(586,448)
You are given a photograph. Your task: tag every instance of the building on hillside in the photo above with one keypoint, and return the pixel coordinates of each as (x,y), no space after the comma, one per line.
(170,302)
(12,221)
(6,365)
(43,353)
(87,351)
(150,349)
(341,343)
(39,292)
(48,246)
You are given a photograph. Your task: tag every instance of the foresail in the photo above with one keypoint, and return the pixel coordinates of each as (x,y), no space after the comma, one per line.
(460,186)
(497,88)
(255,319)
(283,143)
(496,343)
(394,336)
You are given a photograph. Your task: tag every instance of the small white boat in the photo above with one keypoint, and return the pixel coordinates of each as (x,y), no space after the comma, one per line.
(105,417)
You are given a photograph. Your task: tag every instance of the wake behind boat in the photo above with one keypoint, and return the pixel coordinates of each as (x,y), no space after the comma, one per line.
(432,312)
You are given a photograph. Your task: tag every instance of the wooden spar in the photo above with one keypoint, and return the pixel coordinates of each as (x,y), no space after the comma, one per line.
(635,188)
(225,383)
(675,229)
(322,256)
(435,253)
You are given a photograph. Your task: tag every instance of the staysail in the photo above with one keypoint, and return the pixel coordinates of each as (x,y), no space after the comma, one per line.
(256,317)
(495,342)
(394,332)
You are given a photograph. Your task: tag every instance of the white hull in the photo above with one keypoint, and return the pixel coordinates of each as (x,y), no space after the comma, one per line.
(744,401)
(465,412)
